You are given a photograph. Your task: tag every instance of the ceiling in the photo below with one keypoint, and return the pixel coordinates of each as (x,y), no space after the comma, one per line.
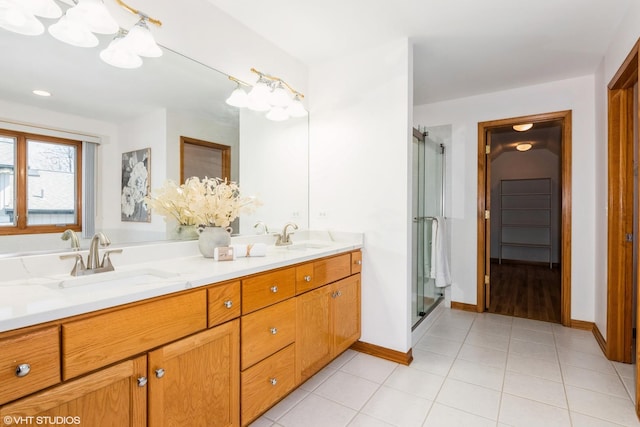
(461,47)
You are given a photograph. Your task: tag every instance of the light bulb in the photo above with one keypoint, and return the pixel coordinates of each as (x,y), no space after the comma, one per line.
(523,146)
(259,96)
(279,97)
(140,41)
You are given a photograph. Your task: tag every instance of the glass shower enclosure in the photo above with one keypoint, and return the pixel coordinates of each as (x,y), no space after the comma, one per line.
(428,151)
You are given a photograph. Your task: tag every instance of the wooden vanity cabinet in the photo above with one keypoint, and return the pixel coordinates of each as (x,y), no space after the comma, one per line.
(194,381)
(111,396)
(328,322)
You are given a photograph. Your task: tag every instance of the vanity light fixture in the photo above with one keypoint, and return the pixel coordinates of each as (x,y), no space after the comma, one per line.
(271,94)
(524,146)
(79,24)
(522,127)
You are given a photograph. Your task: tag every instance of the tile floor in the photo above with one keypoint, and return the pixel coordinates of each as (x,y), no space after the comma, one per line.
(470,370)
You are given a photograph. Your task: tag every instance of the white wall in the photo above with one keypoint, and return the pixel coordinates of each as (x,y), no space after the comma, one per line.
(575,94)
(360,175)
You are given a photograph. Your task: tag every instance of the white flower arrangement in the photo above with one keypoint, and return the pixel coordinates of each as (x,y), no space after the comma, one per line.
(208,202)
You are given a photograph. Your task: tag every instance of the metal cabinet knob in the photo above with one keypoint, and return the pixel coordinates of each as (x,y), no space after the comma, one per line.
(159,373)
(273,381)
(228,304)
(274,289)
(359,262)
(273,331)
(307,278)
(22,370)
(142,381)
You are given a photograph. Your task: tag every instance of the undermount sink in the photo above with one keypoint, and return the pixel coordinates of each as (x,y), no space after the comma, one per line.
(303,246)
(113,279)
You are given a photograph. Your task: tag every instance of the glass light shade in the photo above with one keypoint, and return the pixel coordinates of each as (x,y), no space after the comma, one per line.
(73,33)
(119,56)
(523,146)
(280,97)
(140,41)
(523,127)
(43,8)
(259,96)
(296,109)
(277,114)
(95,16)
(238,97)
(16,18)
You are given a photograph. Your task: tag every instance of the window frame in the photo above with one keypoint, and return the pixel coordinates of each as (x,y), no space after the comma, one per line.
(21,226)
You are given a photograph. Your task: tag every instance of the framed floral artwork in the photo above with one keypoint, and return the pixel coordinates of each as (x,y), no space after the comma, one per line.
(136,184)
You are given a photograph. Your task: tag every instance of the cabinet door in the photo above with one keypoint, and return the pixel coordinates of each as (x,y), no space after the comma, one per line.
(346,313)
(109,397)
(313,332)
(195,381)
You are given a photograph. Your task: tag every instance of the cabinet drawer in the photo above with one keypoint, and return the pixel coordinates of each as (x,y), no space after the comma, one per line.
(41,351)
(268,288)
(266,383)
(224,303)
(325,271)
(267,331)
(356,262)
(97,341)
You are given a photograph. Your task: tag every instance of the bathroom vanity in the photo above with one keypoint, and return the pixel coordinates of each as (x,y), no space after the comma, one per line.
(217,344)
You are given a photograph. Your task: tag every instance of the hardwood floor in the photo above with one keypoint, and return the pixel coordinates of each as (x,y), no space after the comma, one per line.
(526,290)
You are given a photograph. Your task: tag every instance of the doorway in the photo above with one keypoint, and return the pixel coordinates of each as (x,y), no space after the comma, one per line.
(524,220)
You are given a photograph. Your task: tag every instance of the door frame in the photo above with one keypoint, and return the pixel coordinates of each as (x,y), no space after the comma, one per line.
(565,240)
(620,97)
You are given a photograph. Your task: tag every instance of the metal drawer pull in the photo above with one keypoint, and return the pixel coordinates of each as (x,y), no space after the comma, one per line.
(273,381)
(273,331)
(159,373)
(228,304)
(274,289)
(359,262)
(142,381)
(339,293)
(307,278)
(22,370)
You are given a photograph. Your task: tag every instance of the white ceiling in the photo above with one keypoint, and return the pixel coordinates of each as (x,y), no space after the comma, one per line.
(461,47)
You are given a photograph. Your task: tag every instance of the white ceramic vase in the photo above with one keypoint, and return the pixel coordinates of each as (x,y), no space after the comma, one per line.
(211,238)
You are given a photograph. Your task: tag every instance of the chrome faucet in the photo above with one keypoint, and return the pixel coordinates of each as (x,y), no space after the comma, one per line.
(284,239)
(264,226)
(92,258)
(70,234)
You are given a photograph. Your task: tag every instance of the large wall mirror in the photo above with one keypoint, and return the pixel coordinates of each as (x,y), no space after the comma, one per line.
(150,107)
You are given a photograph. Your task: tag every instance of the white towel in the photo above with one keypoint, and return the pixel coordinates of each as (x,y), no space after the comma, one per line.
(249,250)
(439,258)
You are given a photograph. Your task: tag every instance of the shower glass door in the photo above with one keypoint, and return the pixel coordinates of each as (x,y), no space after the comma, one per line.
(427,203)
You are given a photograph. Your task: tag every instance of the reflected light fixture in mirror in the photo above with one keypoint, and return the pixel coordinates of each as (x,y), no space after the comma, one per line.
(523,127)
(271,94)
(79,24)
(524,146)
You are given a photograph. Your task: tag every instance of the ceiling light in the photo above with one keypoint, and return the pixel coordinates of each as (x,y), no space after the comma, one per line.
(73,32)
(40,92)
(119,56)
(94,15)
(523,127)
(140,41)
(16,18)
(523,146)
(238,97)
(270,94)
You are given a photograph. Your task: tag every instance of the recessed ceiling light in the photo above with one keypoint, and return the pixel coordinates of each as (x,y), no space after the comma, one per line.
(523,146)
(523,127)
(41,92)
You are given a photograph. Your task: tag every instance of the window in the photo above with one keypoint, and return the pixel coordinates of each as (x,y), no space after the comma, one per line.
(40,183)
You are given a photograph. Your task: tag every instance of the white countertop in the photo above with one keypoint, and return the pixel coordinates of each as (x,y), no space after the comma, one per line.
(39,288)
